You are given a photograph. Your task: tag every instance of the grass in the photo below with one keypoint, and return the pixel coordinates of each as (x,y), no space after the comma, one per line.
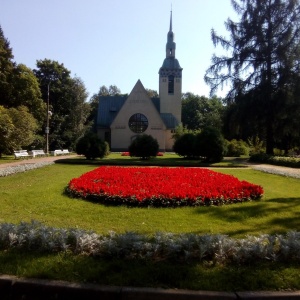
(169,159)
(38,195)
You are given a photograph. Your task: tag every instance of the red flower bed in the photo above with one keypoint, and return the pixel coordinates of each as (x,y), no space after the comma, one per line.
(157,186)
(128,154)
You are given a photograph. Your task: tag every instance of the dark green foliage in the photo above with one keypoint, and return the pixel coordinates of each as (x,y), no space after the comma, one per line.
(92,147)
(237,148)
(144,146)
(185,144)
(209,145)
(262,66)
(200,112)
(67,102)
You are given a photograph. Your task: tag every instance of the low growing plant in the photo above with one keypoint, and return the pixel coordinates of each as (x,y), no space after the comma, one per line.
(36,237)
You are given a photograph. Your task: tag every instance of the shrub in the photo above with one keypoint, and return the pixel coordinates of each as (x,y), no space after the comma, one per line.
(292,162)
(91,146)
(210,144)
(144,146)
(185,145)
(237,148)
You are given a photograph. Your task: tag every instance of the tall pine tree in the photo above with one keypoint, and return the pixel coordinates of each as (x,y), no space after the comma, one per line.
(264,61)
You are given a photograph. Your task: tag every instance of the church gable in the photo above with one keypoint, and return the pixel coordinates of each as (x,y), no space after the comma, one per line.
(138,102)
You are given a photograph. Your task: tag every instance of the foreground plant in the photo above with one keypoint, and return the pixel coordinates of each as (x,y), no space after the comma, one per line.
(35,237)
(142,186)
(23,168)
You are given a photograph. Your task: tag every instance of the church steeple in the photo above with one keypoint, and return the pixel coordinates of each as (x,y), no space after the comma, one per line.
(171,46)
(170,78)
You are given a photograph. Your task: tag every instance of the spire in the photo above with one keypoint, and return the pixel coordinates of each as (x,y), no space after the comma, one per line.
(171,20)
(170,47)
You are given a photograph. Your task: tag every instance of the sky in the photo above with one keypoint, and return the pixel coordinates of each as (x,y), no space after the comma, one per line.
(117,42)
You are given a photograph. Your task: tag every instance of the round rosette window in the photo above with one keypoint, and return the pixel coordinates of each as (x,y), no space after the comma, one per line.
(138,123)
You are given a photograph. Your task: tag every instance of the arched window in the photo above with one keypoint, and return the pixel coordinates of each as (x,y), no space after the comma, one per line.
(171,85)
(138,123)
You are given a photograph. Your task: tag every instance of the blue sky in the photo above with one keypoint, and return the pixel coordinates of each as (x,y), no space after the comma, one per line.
(116,42)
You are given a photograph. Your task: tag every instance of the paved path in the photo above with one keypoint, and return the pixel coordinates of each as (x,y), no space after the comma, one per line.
(285,171)
(18,162)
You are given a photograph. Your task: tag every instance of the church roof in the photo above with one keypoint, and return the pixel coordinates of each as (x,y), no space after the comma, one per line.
(169,120)
(109,106)
(171,63)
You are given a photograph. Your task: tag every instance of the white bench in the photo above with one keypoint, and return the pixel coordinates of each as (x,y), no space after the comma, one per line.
(60,152)
(66,151)
(35,153)
(21,154)
(57,152)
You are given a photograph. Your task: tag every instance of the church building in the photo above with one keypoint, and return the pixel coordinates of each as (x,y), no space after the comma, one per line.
(121,119)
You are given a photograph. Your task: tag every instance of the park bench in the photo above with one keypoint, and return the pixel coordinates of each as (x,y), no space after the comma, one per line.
(36,153)
(57,152)
(60,152)
(21,154)
(66,151)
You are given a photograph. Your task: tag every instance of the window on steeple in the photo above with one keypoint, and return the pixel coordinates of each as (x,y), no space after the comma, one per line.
(171,85)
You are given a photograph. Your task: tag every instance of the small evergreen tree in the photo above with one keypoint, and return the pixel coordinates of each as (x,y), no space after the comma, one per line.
(92,147)
(144,146)
(211,144)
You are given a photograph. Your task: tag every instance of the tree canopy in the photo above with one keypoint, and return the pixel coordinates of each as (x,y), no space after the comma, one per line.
(199,112)
(67,99)
(262,65)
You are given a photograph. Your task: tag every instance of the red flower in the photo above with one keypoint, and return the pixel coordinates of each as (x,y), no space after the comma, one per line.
(160,186)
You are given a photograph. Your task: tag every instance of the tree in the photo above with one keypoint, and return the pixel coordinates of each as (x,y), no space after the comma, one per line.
(6,69)
(26,91)
(18,85)
(6,129)
(113,90)
(264,58)
(17,128)
(67,98)
(200,112)
(74,126)
(152,93)
(144,146)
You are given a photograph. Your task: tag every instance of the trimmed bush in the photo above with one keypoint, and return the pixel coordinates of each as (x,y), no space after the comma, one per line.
(185,145)
(144,146)
(237,148)
(211,144)
(92,147)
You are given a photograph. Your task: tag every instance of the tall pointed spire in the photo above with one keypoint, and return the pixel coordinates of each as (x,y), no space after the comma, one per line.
(171,46)
(171,19)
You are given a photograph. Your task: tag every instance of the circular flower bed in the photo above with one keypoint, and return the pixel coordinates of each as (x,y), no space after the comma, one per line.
(161,187)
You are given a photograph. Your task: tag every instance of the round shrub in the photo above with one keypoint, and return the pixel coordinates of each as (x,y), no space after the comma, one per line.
(92,147)
(144,146)
(211,144)
(237,148)
(184,145)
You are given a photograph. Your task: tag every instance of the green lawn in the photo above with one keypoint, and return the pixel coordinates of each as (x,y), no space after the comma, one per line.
(38,195)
